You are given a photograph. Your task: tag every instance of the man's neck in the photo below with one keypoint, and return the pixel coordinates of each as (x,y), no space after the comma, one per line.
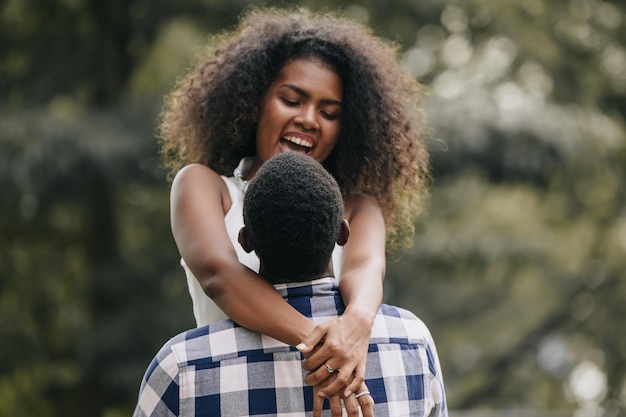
(273,279)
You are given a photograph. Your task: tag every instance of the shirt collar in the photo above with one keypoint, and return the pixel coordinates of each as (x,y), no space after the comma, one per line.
(318,287)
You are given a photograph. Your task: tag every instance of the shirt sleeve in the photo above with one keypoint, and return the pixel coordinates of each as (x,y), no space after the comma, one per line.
(437,391)
(159,394)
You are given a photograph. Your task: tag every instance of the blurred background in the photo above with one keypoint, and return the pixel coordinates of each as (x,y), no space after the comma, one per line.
(519,263)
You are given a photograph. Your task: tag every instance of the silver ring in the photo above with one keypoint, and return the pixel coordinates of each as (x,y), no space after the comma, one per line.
(360,394)
(329,369)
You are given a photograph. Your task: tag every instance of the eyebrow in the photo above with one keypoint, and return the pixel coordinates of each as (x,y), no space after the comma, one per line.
(307,95)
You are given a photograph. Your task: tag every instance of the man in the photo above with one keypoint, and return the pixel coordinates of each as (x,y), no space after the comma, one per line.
(293,215)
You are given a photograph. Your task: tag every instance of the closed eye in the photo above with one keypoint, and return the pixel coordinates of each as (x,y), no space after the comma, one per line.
(329,116)
(289,103)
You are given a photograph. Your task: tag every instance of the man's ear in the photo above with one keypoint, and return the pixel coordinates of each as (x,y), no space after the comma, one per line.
(344,233)
(244,240)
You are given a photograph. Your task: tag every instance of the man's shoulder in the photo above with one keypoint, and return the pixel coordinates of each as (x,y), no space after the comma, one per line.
(398,325)
(216,342)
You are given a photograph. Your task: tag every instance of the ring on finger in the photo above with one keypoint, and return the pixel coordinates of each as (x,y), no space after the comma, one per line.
(329,369)
(360,394)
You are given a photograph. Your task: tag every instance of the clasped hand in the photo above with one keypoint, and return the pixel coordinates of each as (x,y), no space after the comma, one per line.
(335,355)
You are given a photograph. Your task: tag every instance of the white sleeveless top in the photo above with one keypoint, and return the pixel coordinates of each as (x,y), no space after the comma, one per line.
(204,309)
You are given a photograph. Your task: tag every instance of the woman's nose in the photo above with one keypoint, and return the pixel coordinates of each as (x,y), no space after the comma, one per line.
(307,118)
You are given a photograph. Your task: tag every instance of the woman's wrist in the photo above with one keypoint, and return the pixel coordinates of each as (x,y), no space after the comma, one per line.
(362,316)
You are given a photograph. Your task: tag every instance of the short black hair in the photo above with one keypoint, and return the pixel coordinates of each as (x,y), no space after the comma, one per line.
(292,211)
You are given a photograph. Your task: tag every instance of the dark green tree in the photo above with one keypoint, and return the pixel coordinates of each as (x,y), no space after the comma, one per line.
(518,262)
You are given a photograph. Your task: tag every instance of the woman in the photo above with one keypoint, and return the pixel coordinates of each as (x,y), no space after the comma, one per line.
(317,84)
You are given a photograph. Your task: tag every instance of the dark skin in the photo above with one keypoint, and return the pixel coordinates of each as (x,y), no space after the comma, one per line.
(352,404)
(200,199)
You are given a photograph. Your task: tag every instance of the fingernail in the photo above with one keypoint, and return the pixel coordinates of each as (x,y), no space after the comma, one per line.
(321,394)
(347,393)
(301,346)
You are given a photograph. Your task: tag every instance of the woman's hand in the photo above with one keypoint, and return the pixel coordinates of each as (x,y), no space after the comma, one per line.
(360,399)
(352,404)
(338,348)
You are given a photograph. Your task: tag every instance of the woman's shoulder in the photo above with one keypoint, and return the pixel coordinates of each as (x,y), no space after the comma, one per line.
(359,202)
(196,173)
(199,179)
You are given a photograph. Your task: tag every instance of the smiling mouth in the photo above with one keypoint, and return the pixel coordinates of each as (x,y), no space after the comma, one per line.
(297,144)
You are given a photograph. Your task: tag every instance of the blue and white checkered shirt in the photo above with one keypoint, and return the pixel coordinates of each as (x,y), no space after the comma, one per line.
(226,370)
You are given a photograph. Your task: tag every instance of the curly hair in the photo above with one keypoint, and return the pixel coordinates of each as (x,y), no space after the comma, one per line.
(209,117)
(293,210)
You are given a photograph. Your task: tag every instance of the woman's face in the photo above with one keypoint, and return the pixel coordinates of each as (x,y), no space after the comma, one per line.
(301,111)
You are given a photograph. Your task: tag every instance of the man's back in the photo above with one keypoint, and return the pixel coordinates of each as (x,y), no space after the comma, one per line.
(226,370)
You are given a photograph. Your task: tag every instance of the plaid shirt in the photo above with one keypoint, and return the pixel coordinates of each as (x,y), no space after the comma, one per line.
(226,370)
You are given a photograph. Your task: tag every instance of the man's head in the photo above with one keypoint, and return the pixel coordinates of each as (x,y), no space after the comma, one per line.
(293,215)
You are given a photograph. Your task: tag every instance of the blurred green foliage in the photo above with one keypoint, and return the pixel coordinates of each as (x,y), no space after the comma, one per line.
(519,262)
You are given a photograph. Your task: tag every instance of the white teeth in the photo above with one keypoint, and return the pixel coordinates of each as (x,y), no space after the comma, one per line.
(298,141)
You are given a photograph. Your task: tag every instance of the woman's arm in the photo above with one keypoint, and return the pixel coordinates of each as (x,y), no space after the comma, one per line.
(199,199)
(346,339)
(364,262)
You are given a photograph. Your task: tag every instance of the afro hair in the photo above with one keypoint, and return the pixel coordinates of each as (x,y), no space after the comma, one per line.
(293,211)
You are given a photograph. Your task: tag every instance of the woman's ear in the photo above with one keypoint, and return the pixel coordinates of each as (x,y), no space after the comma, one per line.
(344,233)
(244,240)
